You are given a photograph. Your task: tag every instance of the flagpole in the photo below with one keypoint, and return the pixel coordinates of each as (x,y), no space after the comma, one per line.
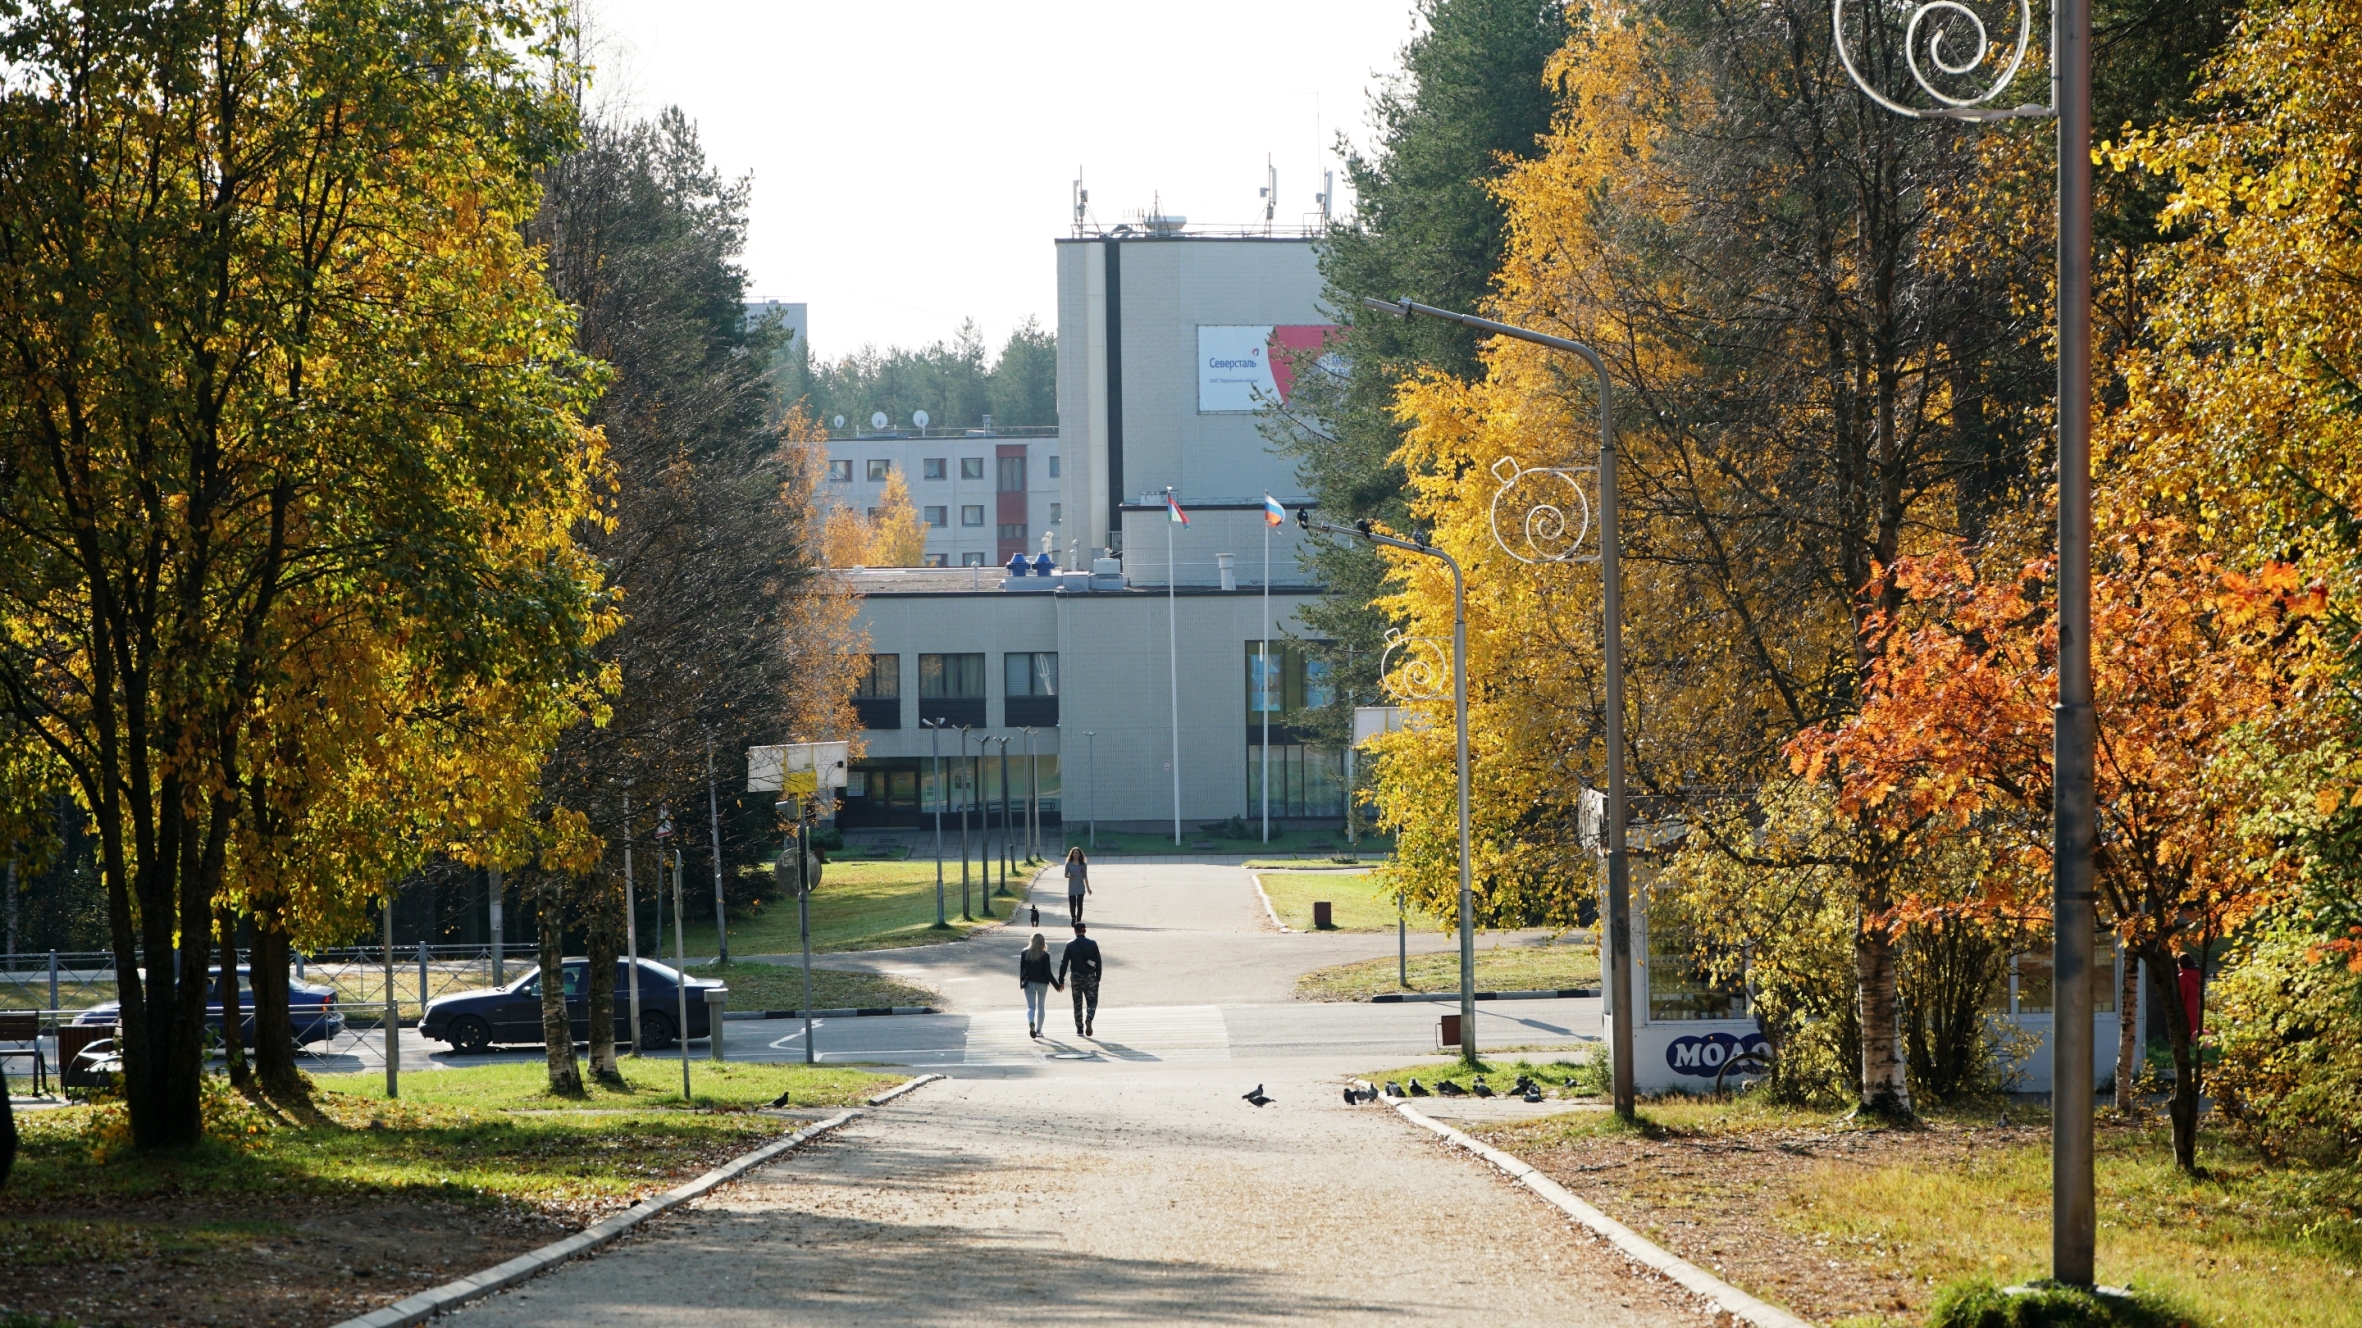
(1264,699)
(1173,652)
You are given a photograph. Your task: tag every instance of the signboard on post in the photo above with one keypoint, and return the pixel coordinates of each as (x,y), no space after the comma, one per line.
(801,768)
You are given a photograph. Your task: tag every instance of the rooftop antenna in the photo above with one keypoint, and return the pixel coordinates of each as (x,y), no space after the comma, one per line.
(1082,200)
(1327,196)
(1270,192)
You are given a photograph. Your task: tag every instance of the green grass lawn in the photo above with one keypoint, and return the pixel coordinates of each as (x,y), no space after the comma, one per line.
(766,986)
(1558,1078)
(652,1081)
(2253,1243)
(482,1133)
(872,905)
(1498,968)
(1291,842)
(1357,903)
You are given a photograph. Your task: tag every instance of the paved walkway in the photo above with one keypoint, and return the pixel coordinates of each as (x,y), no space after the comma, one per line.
(1122,1179)
(1123,1195)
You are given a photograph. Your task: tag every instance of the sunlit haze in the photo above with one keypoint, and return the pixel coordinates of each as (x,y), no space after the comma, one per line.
(912,163)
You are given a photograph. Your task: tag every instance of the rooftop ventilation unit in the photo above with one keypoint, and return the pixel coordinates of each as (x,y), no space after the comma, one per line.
(1161,224)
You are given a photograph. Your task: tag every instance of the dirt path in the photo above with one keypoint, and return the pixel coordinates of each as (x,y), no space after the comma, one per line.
(1113,1194)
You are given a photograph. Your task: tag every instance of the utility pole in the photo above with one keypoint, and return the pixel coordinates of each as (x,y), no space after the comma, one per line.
(631,924)
(934,730)
(713,806)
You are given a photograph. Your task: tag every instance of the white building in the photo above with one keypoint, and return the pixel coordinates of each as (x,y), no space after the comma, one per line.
(983,494)
(1166,345)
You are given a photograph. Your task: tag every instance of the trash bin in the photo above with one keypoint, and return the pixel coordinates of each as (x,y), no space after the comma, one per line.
(1321,917)
(716,1000)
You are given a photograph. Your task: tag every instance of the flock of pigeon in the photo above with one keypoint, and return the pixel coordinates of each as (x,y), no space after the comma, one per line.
(1525,1090)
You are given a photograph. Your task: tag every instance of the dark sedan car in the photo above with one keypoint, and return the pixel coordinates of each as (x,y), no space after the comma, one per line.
(311,1009)
(473,1020)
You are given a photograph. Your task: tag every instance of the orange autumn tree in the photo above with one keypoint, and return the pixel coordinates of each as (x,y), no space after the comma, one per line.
(1953,739)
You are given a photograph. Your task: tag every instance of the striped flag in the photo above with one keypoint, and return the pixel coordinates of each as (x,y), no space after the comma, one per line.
(1273,513)
(1174,507)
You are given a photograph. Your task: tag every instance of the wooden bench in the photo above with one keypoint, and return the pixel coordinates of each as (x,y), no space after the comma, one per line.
(23,1029)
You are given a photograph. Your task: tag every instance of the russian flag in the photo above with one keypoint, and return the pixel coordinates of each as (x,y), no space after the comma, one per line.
(1273,513)
(1174,507)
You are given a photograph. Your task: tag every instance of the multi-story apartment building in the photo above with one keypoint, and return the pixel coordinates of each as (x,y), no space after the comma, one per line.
(983,494)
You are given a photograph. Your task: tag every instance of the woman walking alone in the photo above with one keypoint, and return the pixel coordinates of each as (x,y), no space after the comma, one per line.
(1078,882)
(1033,974)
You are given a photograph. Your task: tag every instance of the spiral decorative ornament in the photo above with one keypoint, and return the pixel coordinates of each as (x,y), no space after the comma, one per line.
(1556,516)
(1946,44)
(1424,670)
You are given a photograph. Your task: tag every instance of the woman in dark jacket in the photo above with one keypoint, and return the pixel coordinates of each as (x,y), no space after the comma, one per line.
(1033,974)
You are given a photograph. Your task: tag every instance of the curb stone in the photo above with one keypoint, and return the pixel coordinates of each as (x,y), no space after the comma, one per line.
(1547,994)
(1638,1248)
(836,1012)
(419,1308)
(1268,910)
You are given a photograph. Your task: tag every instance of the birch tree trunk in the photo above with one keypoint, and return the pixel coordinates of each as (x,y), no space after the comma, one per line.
(557,1031)
(1886,1080)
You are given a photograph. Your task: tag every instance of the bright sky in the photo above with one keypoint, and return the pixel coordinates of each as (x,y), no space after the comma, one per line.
(913,162)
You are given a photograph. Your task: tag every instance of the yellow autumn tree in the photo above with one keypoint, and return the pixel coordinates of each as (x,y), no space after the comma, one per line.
(1797,373)
(896,536)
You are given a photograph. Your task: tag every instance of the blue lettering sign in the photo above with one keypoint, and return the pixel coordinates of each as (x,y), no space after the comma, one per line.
(1703,1056)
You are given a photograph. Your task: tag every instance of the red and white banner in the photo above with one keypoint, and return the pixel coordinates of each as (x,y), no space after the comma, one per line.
(1240,369)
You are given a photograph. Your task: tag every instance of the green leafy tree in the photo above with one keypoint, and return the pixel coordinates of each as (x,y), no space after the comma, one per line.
(279,370)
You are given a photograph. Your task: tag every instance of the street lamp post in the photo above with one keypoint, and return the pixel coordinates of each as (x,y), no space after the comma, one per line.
(1091,755)
(1033,781)
(713,807)
(1544,535)
(1007,847)
(934,730)
(967,914)
(1362,530)
(2073,1209)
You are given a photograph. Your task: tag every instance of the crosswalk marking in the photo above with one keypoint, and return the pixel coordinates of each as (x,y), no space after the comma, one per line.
(1130,1033)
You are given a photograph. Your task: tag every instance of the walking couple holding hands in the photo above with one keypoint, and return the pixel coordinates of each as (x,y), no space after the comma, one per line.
(1078,964)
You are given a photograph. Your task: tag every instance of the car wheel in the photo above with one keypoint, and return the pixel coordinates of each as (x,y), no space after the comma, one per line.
(470,1035)
(656,1030)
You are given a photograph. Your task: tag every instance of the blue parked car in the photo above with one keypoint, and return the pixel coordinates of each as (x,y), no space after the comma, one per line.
(472,1021)
(312,1015)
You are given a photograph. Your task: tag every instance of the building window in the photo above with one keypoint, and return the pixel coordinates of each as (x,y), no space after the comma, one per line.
(1053,466)
(971,468)
(1305,781)
(1031,700)
(1012,530)
(1012,474)
(935,560)
(931,468)
(878,469)
(1297,681)
(877,693)
(840,472)
(938,517)
(971,560)
(1034,674)
(972,514)
(1057,513)
(951,688)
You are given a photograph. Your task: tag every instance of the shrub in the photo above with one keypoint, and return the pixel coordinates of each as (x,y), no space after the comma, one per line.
(1981,1304)
(2286,1023)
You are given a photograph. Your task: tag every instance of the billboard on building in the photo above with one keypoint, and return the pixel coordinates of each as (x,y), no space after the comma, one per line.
(1240,367)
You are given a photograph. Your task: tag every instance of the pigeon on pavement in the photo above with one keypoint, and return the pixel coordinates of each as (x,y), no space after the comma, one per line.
(1256,1096)
(1532,1093)
(1350,1099)
(1483,1089)
(781,1100)
(1450,1089)
(1393,1089)
(1418,1089)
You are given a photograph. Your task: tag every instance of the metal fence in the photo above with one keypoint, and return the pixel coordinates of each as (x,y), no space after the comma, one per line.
(63,984)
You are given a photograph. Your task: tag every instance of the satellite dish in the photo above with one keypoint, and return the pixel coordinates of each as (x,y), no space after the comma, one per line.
(877,419)
(919,418)
(840,421)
